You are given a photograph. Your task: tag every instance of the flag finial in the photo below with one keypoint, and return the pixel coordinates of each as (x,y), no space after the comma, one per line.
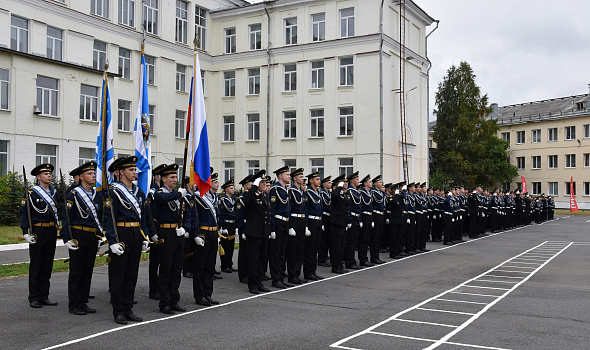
(196,41)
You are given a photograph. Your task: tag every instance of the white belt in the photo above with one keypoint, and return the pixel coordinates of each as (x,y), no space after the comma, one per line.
(367,213)
(378,212)
(282,218)
(314,217)
(355,214)
(298,215)
(230,221)
(327,214)
(419,211)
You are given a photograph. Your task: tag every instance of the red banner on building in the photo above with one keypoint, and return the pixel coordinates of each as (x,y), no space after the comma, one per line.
(573,203)
(523,184)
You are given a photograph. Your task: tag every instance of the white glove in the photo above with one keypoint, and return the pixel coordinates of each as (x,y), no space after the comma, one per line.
(99,244)
(427,217)
(348,226)
(483,215)
(103,240)
(237,232)
(387,221)
(408,221)
(71,245)
(372,225)
(30,239)
(453,220)
(323,229)
(244,236)
(185,234)
(182,191)
(273,235)
(396,191)
(117,249)
(440,216)
(224,231)
(199,241)
(307,232)
(155,237)
(180,231)
(461,217)
(257,181)
(361,224)
(144,246)
(340,184)
(292,232)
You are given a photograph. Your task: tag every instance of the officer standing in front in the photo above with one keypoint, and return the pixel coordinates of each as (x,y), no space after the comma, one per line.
(378,219)
(354,223)
(154,253)
(339,223)
(298,223)
(366,223)
(313,206)
(326,236)
(228,231)
(280,213)
(240,231)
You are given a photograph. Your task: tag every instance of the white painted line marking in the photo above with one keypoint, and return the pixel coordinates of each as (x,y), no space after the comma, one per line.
(429,323)
(445,311)
(504,276)
(531,259)
(347,348)
(497,281)
(510,271)
(432,341)
(479,295)
(402,336)
(461,301)
(519,267)
(524,262)
(474,346)
(470,286)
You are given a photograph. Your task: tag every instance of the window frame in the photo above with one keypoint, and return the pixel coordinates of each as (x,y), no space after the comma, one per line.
(6,155)
(149,10)
(586,160)
(54,52)
(201,27)
(321,168)
(290,77)
(569,133)
(98,55)
(318,75)
(553,186)
(571,160)
(316,123)
(93,103)
(229,166)
(83,160)
(290,31)
(345,23)
(252,127)
(536,191)
(253,82)
(46,158)
(552,135)
(520,137)
(53,92)
(318,26)
(229,83)
(255,37)
(535,162)
(289,125)
(229,40)
(126,19)
(125,64)
(586,131)
(98,10)
(346,75)
(552,161)
(520,160)
(19,31)
(179,124)
(536,136)
(5,90)
(150,69)
(252,166)
(346,169)
(123,115)
(506,136)
(181,29)
(345,116)
(180,77)
(229,129)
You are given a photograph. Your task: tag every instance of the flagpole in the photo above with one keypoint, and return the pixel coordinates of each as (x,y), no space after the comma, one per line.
(104,129)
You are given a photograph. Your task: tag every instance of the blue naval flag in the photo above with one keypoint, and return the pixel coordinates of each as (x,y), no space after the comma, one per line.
(142,133)
(105,152)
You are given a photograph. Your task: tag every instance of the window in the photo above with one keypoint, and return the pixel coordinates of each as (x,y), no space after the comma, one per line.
(99,55)
(230,40)
(3,157)
(317,75)
(345,166)
(124,115)
(536,188)
(290,77)
(181,22)
(567,188)
(88,103)
(229,84)
(552,134)
(203,83)
(201,26)
(291,31)
(586,160)
(520,163)
(85,155)
(253,127)
(180,173)
(291,164)
(150,16)
(46,154)
(346,23)
(570,133)
(19,34)
(520,137)
(47,95)
(570,160)
(506,187)
(4,88)
(587,131)
(536,162)
(152,113)
(229,125)
(586,188)
(122,155)
(289,125)
(316,118)
(317,164)
(255,36)
(180,78)
(519,186)
(126,12)
(150,67)
(506,136)
(552,161)
(536,135)
(253,166)
(100,8)
(229,169)
(254,81)
(179,127)
(553,189)
(125,63)
(346,121)
(346,71)
(318,27)
(54,43)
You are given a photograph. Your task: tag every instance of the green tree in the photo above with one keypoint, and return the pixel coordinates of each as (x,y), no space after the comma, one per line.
(468,148)
(11,193)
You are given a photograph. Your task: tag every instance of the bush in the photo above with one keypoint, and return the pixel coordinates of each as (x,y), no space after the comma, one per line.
(11,194)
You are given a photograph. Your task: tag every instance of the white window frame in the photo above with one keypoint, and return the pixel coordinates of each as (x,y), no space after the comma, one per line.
(317,75)
(347,23)
(290,31)
(181,33)
(536,188)
(125,63)
(570,161)
(203,82)
(552,135)
(318,27)
(229,128)
(536,136)
(567,188)
(344,118)
(55,44)
(45,157)
(150,16)
(570,133)
(317,164)
(255,36)
(229,83)
(552,161)
(586,188)
(253,129)
(346,71)
(553,188)
(290,77)
(126,15)
(88,105)
(253,81)
(291,164)
(123,115)
(100,8)
(586,159)
(520,160)
(289,125)
(152,115)
(179,124)
(520,137)
(587,131)
(229,40)
(229,170)
(99,57)
(5,89)
(345,169)
(19,36)
(180,78)
(316,123)
(536,162)
(150,68)
(201,26)
(89,155)
(506,136)
(252,166)
(4,166)
(47,97)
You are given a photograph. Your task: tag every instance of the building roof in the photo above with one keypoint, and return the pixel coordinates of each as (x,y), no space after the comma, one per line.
(555,108)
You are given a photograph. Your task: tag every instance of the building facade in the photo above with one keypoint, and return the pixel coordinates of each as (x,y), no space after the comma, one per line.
(286,82)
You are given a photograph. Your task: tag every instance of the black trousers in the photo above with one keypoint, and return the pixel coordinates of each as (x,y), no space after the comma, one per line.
(351,236)
(296,248)
(420,243)
(494,220)
(153,268)
(364,238)
(448,228)
(81,267)
(242,258)
(256,261)
(310,251)
(123,270)
(171,261)
(410,233)
(473,224)
(41,265)
(189,263)
(228,246)
(277,250)
(375,240)
(204,265)
(395,239)
(325,240)
(337,248)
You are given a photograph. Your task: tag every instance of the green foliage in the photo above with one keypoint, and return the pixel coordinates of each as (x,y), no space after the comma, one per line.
(11,194)
(469,151)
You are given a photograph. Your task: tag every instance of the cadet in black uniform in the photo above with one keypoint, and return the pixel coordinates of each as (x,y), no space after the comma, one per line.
(366,224)
(313,206)
(125,223)
(395,205)
(378,219)
(42,214)
(240,231)
(84,206)
(339,223)
(228,231)
(280,212)
(354,222)
(154,264)
(298,223)
(75,174)
(326,236)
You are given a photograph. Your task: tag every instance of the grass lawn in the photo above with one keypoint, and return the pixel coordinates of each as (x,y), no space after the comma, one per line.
(567,212)
(10,234)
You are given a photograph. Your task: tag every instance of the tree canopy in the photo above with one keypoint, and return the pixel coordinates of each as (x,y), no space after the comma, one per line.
(468,149)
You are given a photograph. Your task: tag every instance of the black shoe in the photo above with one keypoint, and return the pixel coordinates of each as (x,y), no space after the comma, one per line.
(87,309)
(284,274)
(120,319)
(279,284)
(91,297)
(204,302)
(134,302)
(427,250)
(324,264)
(48,303)
(353,267)
(377,261)
(155,296)
(303,280)
(167,310)
(448,243)
(288,285)
(403,254)
(340,271)
(130,316)
(263,289)
(78,311)
(35,304)
(226,270)
(188,274)
(178,308)
(266,278)
(318,276)
(244,280)
(295,281)
(234,270)
(396,257)
(254,291)
(312,278)
(215,277)
(217,272)
(367,264)
(211,300)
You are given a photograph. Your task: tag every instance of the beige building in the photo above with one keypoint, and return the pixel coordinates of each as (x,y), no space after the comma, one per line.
(286,82)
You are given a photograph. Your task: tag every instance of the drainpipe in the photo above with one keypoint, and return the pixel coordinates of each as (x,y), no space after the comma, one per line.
(381,89)
(428,101)
(267,88)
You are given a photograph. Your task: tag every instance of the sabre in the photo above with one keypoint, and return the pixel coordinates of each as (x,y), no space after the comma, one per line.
(63,188)
(27,202)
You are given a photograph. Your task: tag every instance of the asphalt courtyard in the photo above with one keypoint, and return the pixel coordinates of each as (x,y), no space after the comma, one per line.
(528,288)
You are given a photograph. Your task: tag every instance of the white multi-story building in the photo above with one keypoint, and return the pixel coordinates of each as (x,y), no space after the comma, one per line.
(286,82)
